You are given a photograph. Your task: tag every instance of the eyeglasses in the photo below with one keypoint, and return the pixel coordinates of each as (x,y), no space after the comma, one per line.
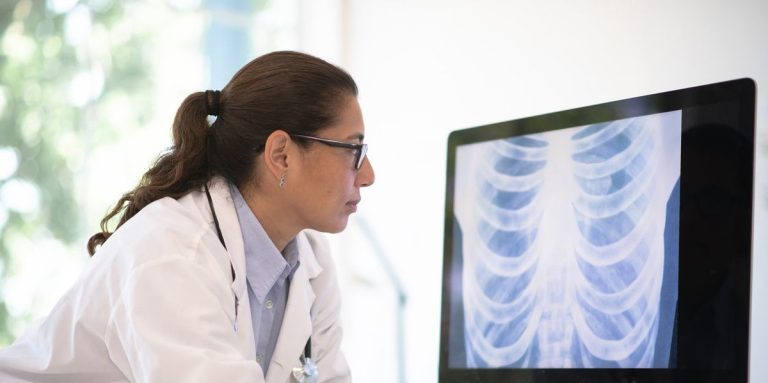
(360,149)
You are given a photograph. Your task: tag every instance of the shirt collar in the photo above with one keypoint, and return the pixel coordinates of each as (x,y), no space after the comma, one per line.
(265,266)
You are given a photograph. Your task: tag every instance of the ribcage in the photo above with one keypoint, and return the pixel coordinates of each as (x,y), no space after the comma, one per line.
(619,280)
(500,300)
(562,265)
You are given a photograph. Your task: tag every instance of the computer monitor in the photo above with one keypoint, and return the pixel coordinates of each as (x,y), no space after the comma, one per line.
(608,243)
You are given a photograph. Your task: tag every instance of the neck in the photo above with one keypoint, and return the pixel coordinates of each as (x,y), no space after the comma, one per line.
(268,209)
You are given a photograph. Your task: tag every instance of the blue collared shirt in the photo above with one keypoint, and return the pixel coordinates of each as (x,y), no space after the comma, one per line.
(268,273)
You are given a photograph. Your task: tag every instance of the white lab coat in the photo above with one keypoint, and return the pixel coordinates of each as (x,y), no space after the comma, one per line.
(157,304)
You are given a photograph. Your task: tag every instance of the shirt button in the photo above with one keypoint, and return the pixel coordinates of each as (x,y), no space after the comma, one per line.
(269,304)
(258,358)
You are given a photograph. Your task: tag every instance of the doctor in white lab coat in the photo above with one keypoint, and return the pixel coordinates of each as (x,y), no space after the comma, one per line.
(170,295)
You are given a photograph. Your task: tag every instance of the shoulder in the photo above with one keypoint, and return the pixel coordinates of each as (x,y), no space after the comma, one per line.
(319,264)
(164,229)
(318,242)
(161,225)
(315,253)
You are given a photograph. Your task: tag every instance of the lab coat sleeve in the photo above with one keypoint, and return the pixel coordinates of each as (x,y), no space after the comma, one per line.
(171,324)
(326,313)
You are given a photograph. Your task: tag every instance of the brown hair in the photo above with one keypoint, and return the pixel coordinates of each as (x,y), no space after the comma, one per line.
(288,91)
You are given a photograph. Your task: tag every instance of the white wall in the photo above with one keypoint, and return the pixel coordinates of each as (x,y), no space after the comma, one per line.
(427,67)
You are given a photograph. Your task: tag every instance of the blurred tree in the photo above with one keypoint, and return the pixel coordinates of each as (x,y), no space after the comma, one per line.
(72,73)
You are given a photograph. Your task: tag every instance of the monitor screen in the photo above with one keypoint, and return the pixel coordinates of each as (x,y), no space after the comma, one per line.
(602,243)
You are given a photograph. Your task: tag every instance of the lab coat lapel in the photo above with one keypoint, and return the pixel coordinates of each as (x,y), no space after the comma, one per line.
(297,323)
(230,228)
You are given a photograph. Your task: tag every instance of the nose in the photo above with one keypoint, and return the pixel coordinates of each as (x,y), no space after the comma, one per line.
(365,176)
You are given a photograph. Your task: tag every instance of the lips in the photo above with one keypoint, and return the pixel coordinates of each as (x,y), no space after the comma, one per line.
(353,205)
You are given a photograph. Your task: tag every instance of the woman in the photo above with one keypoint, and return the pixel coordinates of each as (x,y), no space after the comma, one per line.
(211,273)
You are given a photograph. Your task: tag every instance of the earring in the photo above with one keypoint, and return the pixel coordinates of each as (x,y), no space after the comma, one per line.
(282,181)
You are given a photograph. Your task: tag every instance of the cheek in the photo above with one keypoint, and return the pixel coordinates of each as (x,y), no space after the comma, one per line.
(328,190)
(339,189)
(327,185)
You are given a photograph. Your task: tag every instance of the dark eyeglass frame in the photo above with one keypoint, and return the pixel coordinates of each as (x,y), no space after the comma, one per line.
(360,149)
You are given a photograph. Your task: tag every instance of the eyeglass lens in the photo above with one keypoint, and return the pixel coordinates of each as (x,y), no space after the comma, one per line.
(361,156)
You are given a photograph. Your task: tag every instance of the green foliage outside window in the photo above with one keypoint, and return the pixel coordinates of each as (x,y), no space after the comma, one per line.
(70,78)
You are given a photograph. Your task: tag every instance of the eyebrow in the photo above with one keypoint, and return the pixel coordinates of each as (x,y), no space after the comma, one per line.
(356,136)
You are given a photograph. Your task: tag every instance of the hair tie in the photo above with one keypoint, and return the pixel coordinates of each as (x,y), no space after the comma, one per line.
(212,102)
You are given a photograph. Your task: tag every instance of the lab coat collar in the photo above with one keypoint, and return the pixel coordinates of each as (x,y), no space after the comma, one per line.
(230,230)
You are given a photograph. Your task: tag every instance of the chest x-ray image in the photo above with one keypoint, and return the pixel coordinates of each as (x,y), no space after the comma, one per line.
(569,246)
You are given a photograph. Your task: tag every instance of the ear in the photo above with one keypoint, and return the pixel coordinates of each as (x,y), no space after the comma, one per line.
(276,151)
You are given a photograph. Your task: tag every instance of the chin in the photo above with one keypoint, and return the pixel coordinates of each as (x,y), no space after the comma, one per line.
(339,227)
(333,227)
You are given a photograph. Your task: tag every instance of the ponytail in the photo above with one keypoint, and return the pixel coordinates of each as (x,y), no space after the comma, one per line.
(174,173)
